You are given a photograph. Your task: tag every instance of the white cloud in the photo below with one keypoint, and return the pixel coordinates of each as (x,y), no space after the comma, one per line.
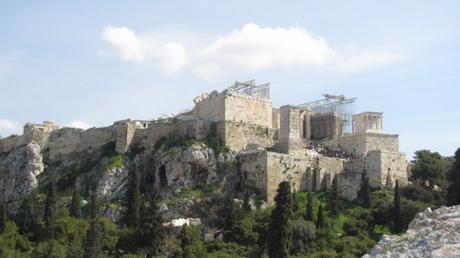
(249,49)
(170,57)
(8,127)
(367,61)
(79,124)
(255,48)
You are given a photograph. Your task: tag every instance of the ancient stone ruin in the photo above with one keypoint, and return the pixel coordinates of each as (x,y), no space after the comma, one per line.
(307,144)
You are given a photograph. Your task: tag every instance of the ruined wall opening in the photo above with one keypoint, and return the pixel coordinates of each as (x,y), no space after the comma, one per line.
(162,175)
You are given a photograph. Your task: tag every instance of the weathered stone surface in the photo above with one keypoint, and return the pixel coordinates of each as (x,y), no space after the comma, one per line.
(19,170)
(433,234)
(112,183)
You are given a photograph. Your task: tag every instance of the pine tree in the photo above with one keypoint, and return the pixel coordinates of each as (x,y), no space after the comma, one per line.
(453,191)
(397,217)
(151,234)
(75,205)
(3,216)
(27,217)
(246,204)
(309,214)
(92,243)
(335,198)
(365,192)
(280,233)
(50,210)
(320,218)
(133,201)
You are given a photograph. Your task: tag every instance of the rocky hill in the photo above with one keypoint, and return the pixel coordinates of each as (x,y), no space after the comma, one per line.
(431,234)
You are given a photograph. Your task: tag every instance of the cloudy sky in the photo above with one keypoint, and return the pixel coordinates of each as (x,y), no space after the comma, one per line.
(94,62)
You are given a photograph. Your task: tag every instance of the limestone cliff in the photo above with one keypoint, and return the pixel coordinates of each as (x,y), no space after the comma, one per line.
(431,234)
(19,170)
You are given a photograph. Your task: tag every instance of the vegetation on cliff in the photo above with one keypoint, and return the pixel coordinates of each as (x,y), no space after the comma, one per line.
(300,224)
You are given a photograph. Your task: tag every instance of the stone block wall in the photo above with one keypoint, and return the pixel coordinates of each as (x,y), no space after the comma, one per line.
(349,185)
(211,107)
(247,109)
(67,140)
(361,143)
(226,106)
(239,136)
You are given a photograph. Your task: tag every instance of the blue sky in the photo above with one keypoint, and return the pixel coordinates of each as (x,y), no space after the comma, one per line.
(95,62)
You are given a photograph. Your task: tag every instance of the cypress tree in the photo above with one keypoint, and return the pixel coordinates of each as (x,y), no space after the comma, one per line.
(50,211)
(320,218)
(230,215)
(365,192)
(133,201)
(280,233)
(75,205)
(151,233)
(295,204)
(335,198)
(92,243)
(3,216)
(246,204)
(397,217)
(453,191)
(27,217)
(309,214)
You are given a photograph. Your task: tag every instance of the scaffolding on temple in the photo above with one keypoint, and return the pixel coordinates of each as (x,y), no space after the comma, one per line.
(250,88)
(338,104)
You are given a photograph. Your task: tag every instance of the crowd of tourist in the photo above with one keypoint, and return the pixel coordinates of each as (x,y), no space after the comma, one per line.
(332,153)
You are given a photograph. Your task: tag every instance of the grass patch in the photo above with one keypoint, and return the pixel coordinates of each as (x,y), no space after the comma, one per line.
(114,162)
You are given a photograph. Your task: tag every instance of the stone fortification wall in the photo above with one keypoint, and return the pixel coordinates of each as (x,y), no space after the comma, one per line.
(252,167)
(264,171)
(240,136)
(349,185)
(198,129)
(378,165)
(210,107)
(9,143)
(247,109)
(226,106)
(360,144)
(67,140)
(289,133)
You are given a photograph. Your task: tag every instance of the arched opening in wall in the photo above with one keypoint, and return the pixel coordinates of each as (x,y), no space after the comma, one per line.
(162,175)
(150,177)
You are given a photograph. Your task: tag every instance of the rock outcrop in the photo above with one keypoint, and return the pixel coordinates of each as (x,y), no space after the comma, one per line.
(433,234)
(19,170)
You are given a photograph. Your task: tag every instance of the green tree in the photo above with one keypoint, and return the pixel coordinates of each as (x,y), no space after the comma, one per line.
(309,213)
(131,217)
(151,233)
(429,168)
(364,193)
(335,197)
(93,243)
(397,216)
(27,216)
(320,217)
(230,216)
(280,231)
(303,235)
(453,192)
(75,205)
(50,210)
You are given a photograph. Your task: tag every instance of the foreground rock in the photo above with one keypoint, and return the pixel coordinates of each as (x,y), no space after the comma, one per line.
(431,234)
